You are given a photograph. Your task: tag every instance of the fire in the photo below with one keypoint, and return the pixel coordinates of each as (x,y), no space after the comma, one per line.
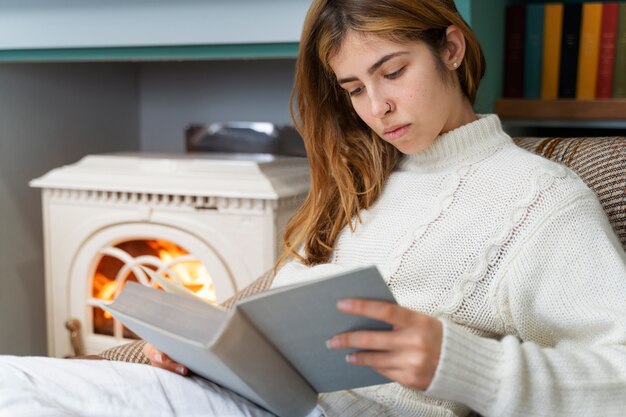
(192,274)
(104,289)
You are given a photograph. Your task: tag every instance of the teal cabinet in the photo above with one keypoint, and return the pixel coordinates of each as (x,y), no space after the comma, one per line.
(119,30)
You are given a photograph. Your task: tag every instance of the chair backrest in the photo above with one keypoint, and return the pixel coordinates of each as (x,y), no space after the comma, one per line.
(601,164)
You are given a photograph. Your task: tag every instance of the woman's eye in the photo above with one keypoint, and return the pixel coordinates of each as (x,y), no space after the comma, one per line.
(394,74)
(356,91)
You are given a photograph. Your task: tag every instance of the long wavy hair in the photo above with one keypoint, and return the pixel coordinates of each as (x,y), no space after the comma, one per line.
(349,163)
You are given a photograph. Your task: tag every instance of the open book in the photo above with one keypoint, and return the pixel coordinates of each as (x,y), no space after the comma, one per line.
(269,348)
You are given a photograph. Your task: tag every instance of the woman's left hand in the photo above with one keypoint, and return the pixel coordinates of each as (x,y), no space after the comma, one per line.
(408,354)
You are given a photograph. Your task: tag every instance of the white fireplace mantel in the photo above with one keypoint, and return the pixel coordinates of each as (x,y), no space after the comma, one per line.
(256,176)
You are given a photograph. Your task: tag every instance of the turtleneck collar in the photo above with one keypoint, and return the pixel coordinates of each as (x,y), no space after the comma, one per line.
(466,142)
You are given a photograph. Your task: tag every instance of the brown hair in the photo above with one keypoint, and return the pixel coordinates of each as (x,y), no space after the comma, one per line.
(349,164)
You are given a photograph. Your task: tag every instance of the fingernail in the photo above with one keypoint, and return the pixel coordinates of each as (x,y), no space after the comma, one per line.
(158,358)
(180,369)
(332,343)
(350,358)
(344,304)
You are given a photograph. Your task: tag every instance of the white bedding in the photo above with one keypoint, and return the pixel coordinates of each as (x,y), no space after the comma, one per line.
(46,387)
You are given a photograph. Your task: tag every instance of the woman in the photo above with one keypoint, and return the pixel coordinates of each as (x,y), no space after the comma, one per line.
(510,277)
(494,254)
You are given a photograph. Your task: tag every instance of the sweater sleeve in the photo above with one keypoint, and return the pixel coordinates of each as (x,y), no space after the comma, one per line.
(564,294)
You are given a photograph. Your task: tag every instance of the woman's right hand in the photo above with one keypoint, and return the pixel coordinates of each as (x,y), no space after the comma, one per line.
(161,360)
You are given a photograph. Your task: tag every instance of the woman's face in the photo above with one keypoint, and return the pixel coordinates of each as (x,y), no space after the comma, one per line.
(398,91)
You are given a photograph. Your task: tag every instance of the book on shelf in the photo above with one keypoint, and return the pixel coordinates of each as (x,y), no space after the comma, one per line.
(514,51)
(550,62)
(270,347)
(570,43)
(619,68)
(606,55)
(533,42)
(589,51)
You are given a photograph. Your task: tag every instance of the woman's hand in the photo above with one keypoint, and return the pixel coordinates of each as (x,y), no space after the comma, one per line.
(408,354)
(161,360)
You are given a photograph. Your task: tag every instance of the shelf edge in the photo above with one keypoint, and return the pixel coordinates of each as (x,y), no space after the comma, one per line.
(564,109)
(158,53)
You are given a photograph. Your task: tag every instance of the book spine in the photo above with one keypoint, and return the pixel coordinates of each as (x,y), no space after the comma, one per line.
(514,51)
(606,58)
(619,68)
(589,51)
(552,31)
(570,43)
(266,377)
(533,47)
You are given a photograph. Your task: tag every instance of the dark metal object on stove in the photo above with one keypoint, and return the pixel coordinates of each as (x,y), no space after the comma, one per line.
(244,137)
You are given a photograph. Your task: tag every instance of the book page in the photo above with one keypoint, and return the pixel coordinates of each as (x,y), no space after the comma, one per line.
(172,286)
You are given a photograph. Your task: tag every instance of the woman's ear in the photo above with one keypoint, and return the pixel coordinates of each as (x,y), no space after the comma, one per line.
(454,51)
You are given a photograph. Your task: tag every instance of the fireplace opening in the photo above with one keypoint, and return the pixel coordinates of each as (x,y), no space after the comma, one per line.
(122,262)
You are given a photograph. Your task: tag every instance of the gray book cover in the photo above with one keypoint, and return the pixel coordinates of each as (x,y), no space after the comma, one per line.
(269,348)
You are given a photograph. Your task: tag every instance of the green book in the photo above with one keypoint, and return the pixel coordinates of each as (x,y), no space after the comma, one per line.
(619,70)
(533,49)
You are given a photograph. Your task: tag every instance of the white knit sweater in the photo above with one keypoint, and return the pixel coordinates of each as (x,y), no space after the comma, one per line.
(516,257)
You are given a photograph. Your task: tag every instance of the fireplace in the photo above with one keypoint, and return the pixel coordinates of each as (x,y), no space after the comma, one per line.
(212,223)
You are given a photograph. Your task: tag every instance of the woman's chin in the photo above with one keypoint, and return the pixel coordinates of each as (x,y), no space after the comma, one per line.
(410,147)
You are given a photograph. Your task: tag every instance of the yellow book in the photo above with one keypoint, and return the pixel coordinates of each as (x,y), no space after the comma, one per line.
(552,32)
(589,51)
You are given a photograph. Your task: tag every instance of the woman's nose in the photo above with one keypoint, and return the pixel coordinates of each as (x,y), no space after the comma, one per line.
(380,107)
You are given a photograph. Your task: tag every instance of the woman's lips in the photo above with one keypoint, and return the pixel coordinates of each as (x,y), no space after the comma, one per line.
(396,132)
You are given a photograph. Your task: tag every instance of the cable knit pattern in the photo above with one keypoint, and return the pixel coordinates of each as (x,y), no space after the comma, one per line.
(444,200)
(465,286)
(516,257)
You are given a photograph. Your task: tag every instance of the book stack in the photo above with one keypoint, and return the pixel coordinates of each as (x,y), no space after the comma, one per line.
(565,51)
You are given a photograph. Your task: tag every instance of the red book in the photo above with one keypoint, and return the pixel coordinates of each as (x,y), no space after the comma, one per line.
(608,32)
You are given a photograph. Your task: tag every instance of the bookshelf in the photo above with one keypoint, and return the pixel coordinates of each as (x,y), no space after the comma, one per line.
(597,117)
(600,115)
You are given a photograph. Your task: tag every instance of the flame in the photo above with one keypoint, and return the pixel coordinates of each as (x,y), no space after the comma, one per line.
(192,274)
(104,289)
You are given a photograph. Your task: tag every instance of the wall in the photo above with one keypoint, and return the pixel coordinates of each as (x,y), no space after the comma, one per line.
(50,115)
(173,95)
(176,94)
(53,114)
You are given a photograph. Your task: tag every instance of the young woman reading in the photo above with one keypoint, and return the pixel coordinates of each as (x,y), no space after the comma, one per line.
(510,281)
